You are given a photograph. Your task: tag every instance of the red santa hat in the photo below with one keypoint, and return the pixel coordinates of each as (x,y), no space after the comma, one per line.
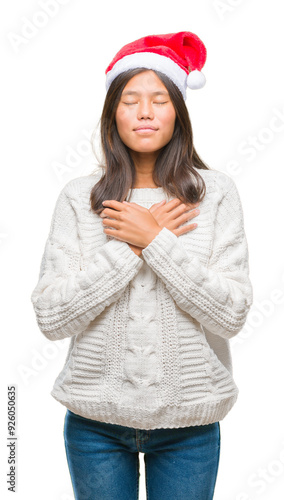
(180,56)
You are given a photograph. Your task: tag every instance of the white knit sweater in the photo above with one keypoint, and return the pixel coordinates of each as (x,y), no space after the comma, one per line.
(149,336)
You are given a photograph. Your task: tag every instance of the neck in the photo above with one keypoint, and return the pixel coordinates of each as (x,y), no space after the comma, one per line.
(144,166)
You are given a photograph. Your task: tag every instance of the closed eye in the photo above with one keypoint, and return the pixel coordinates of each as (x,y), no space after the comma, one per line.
(131,103)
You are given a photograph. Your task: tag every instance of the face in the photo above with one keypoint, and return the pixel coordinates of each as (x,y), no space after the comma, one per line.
(145,115)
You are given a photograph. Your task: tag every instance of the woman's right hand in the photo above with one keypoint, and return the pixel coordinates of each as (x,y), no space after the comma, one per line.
(174,213)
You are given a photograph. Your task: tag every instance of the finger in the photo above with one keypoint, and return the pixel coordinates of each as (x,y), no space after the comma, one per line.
(131,203)
(159,203)
(117,205)
(108,212)
(185,229)
(191,213)
(184,217)
(183,210)
(156,205)
(176,202)
(114,233)
(111,208)
(109,223)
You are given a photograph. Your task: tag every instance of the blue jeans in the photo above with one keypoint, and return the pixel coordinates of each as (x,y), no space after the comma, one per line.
(103,460)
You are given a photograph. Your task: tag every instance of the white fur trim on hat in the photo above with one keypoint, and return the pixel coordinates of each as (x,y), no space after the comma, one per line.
(196,79)
(150,60)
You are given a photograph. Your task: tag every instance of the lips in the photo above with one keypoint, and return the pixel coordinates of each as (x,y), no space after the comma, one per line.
(145,127)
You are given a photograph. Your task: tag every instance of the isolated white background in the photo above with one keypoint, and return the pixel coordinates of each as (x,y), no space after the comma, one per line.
(52,92)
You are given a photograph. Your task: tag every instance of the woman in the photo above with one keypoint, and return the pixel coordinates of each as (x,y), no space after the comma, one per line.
(149,290)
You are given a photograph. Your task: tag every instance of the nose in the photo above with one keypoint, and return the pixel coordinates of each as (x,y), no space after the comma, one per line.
(145,110)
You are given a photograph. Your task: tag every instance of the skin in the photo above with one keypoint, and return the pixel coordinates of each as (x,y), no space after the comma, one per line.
(145,103)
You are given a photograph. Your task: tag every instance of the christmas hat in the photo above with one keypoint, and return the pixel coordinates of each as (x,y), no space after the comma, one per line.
(180,56)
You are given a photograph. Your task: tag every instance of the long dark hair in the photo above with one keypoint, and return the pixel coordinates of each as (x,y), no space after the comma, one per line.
(175,167)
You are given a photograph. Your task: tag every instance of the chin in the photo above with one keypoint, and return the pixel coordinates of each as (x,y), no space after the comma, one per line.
(146,148)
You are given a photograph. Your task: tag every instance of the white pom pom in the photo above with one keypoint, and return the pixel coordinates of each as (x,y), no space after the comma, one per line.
(196,80)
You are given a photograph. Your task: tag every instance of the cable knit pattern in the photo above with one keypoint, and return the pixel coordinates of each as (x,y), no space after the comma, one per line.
(217,295)
(149,336)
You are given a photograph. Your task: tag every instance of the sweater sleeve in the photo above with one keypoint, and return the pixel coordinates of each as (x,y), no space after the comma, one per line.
(66,298)
(219,295)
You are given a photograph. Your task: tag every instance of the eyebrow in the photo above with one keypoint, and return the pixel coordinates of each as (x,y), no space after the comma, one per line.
(133,92)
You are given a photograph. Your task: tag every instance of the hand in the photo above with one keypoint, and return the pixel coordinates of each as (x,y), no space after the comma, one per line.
(131,223)
(173,214)
(164,217)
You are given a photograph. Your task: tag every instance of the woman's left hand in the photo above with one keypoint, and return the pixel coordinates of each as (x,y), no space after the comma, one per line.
(132,223)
